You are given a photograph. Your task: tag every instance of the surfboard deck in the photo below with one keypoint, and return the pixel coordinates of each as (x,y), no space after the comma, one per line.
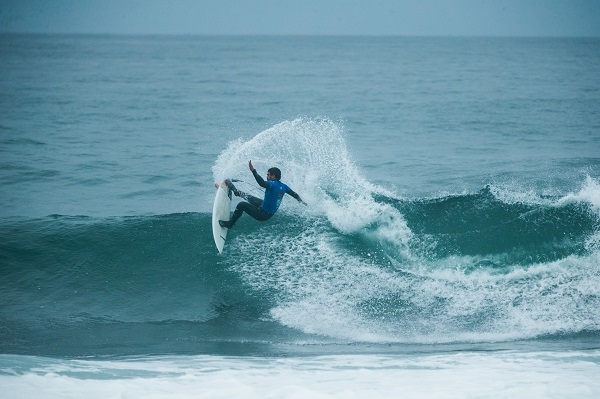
(221,211)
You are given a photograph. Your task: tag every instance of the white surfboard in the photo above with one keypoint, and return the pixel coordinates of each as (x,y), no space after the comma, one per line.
(221,211)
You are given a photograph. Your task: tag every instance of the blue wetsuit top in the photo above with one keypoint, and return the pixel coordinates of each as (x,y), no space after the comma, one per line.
(275,190)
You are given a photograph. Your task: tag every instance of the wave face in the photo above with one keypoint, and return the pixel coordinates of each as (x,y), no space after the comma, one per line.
(359,265)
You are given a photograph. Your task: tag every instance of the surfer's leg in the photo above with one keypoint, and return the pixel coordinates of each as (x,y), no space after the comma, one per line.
(250,198)
(255,211)
(232,188)
(239,210)
(236,215)
(250,209)
(257,202)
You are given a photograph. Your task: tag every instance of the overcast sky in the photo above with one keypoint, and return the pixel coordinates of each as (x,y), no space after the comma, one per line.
(337,17)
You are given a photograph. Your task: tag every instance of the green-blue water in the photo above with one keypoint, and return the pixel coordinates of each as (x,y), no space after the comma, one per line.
(453,188)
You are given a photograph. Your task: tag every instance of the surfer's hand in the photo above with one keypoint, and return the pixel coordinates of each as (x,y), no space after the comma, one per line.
(250,166)
(303,203)
(217,185)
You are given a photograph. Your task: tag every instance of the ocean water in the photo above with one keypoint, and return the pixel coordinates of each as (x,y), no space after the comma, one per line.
(451,246)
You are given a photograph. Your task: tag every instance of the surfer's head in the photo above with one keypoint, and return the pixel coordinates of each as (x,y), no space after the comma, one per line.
(275,173)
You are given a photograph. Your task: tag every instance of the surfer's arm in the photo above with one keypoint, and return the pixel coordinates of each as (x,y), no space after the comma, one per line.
(296,196)
(261,182)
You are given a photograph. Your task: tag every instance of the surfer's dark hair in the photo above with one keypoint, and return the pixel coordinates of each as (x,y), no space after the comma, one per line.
(275,172)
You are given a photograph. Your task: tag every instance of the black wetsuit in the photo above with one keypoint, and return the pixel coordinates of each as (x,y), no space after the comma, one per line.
(257,208)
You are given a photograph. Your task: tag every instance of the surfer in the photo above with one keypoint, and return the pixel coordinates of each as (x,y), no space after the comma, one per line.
(260,209)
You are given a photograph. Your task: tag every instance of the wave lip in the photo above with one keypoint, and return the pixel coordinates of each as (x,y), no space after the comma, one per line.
(484,225)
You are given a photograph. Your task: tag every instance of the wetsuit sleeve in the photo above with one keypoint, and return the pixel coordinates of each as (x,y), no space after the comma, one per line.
(294,194)
(261,182)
